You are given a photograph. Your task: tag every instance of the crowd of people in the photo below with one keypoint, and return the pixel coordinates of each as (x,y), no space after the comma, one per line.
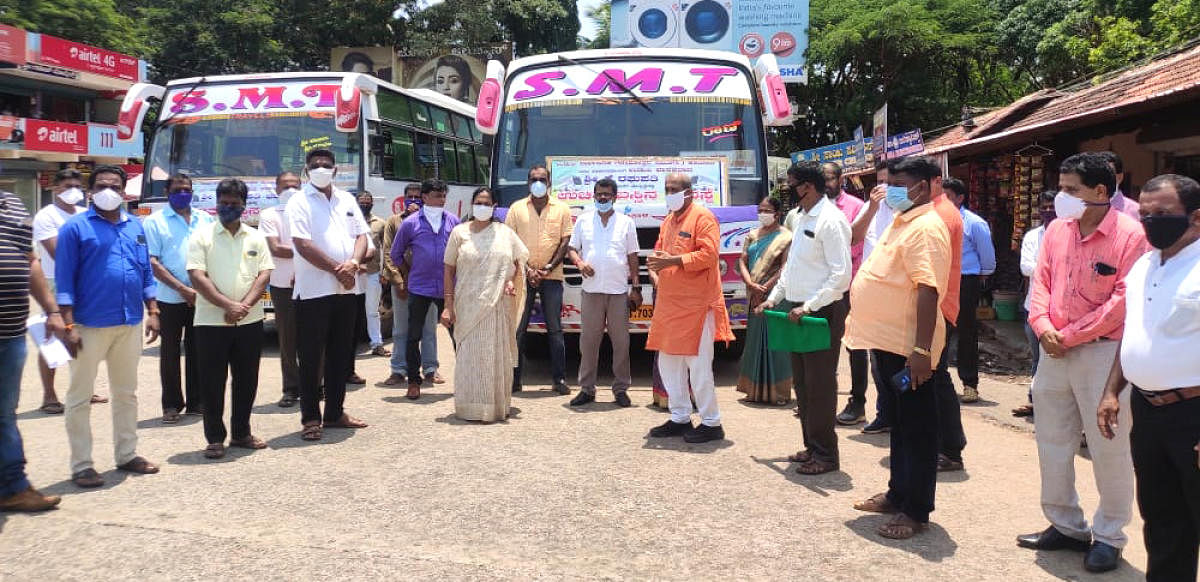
(1114,299)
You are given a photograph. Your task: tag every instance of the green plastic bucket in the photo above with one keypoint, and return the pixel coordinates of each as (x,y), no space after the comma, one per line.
(810,335)
(1007,305)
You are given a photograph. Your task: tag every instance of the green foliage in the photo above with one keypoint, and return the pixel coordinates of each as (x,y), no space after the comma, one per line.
(95,22)
(601,17)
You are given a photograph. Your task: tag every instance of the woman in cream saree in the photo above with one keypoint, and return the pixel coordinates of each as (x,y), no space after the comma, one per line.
(483,267)
(766,376)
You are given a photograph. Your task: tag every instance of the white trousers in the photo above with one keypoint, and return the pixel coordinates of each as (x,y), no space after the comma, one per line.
(1066,393)
(676,371)
(119,347)
(374,294)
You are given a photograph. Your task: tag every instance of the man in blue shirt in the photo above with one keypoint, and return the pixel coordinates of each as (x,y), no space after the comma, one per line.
(167,233)
(104,277)
(424,233)
(978,262)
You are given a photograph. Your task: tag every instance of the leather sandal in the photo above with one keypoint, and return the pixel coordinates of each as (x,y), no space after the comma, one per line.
(98,399)
(816,467)
(249,442)
(214,451)
(140,466)
(414,392)
(900,527)
(52,408)
(800,457)
(346,421)
(312,432)
(878,503)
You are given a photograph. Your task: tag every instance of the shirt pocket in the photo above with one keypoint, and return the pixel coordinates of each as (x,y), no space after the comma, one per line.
(1184,318)
(880,263)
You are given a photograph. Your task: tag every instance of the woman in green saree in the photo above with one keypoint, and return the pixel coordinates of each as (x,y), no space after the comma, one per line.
(766,376)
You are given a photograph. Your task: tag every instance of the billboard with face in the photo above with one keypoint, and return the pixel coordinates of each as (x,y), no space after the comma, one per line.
(456,73)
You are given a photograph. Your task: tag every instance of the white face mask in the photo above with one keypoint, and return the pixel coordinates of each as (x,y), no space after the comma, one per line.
(481,212)
(538,189)
(432,213)
(1068,206)
(107,199)
(766,218)
(320,177)
(675,201)
(71,195)
(286,195)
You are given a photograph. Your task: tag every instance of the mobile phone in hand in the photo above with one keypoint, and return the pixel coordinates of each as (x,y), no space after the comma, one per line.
(902,380)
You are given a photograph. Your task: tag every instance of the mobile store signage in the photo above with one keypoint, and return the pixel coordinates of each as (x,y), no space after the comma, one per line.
(12,45)
(749,27)
(102,141)
(251,98)
(644,79)
(52,136)
(639,180)
(81,57)
(846,153)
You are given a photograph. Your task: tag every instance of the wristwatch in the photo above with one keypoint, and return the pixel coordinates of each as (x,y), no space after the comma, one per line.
(548,267)
(921,351)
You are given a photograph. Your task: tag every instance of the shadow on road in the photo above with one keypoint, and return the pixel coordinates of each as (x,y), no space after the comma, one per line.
(275,408)
(592,407)
(934,545)
(514,413)
(882,440)
(292,440)
(112,478)
(1069,566)
(197,457)
(156,422)
(677,444)
(424,399)
(819,484)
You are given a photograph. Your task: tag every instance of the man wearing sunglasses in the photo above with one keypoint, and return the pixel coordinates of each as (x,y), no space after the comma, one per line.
(167,233)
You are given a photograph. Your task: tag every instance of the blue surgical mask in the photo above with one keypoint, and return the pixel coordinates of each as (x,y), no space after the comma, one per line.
(897,198)
(603,207)
(229,213)
(180,199)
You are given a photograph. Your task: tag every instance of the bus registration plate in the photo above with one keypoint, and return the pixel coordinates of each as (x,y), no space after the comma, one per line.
(643,313)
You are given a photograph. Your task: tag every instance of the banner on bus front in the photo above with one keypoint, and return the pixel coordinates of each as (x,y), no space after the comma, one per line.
(639,180)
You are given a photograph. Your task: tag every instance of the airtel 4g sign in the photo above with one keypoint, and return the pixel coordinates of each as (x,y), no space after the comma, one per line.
(607,80)
(249,98)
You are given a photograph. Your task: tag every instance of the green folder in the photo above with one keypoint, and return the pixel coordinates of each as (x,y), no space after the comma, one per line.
(810,335)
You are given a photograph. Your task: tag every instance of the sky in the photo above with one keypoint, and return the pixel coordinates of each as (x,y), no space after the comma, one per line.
(586,29)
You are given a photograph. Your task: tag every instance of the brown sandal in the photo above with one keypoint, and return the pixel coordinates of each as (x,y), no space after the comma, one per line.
(878,503)
(800,457)
(312,432)
(214,451)
(900,527)
(250,442)
(346,421)
(52,408)
(98,399)
(139,465)
(816,467)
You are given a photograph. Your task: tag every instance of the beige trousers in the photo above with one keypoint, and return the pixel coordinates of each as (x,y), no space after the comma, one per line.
(119,347)
(601,311)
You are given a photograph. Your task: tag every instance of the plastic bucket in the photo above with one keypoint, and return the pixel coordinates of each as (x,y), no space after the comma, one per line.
(1007,305)
(810,335)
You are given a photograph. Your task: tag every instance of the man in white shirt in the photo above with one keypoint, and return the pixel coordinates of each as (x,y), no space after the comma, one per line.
(330,236)
(1162,328)
(1031,245)
(867,229)
(604,247)
(1119,201)
(68,193)
(273,223)
(813,283)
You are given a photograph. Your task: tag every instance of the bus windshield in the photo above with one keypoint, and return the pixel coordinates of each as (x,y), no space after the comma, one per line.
(624,126)
(255,146)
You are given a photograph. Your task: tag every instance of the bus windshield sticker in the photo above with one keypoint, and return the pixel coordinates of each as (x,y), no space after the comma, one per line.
(312,143)
(639,180)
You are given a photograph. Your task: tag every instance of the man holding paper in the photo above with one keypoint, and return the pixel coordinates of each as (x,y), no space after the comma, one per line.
(20,273)
(814,282)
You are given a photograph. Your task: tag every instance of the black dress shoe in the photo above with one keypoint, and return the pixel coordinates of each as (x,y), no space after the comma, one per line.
(704,434)
(1102,558)
(623,400)
(583,398)
(1051,539)
(670,429)
(561,388)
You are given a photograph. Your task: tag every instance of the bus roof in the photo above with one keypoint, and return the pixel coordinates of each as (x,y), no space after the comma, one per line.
(633,53)
(426,95)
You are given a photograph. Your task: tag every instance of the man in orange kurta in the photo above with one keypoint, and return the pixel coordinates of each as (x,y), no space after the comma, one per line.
(689,313)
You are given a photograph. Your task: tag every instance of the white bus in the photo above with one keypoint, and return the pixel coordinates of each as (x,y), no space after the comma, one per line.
(253,127)
(626,105)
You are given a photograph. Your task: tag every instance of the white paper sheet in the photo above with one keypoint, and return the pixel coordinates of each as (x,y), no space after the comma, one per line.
(53,351)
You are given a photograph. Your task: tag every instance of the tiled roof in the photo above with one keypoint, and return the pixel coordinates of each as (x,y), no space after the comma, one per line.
(993,121)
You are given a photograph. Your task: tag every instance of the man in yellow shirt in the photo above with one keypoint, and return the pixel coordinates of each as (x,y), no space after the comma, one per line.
(894,313)
(230,264)
(544,225)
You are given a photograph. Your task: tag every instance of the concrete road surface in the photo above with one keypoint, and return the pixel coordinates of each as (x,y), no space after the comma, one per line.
(553,493)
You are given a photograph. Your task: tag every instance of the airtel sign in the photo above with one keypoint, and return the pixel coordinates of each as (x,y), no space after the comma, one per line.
(51,136)
(81,57)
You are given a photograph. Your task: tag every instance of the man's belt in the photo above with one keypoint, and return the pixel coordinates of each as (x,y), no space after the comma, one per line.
(1165,397)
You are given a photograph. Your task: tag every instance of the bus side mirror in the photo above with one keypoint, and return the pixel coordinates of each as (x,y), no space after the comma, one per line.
(776,109)
(348,112)
(134,108)
(491,99)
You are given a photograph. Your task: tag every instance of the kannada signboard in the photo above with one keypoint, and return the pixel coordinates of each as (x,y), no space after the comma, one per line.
(845,154)
(81,57)
(879,126)
(12,45)
(749,27)
(639,180)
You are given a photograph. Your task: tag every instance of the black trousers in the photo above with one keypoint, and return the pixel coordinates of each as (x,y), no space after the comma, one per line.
(175,326)
(418,310)
(236,349)
(914,440)
(325,330)
(1165,465)
(967,330)
(860,365)
(285,327)
(952,439)
(814,378)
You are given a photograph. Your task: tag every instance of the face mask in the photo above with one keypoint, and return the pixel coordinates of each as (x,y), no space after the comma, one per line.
(897,198)
(320,177)
(1164,230)
(766,218)
(1067,206)
(481,212)
(286,195)
(432,213)
(180,200)
(1047,217)
(603,207)
(107,199)
(538,189)
(71,195)
(229,213)
(675,201)
(366,209)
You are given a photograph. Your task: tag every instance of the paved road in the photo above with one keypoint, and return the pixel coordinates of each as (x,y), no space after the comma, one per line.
(553,493)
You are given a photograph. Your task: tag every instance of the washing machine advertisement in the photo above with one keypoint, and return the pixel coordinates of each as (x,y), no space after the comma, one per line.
(749,27)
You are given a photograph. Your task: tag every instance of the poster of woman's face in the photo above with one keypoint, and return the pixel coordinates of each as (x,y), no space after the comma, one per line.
(455,76)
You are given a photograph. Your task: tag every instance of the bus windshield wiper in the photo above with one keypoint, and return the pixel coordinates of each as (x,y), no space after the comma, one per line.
(612,80)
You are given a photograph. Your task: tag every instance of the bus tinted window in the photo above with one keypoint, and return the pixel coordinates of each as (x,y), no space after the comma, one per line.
(462,126)
(441,119)
(450,161)
(466,164)
(481,163)
(404,165)
(394,106)
(429,156)
(420,113)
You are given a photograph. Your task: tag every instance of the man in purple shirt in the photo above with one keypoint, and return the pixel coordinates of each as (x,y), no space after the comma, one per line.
(425,233)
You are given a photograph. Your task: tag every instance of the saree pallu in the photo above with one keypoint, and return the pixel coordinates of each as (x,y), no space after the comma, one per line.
(765,375)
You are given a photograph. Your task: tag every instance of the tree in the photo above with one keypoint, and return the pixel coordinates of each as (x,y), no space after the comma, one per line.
(540,26)
(95,22)
(215,38)
(601,17)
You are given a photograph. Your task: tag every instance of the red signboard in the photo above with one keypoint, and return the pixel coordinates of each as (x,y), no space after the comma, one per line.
(52,136)
(12,45)
(81,57)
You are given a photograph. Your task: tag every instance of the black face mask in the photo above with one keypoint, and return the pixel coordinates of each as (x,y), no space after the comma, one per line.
(1164,230)
(366,208)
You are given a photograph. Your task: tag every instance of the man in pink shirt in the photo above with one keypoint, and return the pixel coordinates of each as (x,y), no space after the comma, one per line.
(1077,310)
(851,207)
(1120,201)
